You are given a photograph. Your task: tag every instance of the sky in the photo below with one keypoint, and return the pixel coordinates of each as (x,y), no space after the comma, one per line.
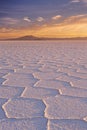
(43,18)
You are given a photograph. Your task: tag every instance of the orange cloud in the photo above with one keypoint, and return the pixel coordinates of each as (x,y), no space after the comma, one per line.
(74,26)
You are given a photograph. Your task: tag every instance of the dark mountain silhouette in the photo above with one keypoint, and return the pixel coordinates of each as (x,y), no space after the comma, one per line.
(30,37)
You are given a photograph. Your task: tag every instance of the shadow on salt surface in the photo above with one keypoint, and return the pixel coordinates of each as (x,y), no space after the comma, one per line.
(53,84)
(74,92)
(4,63)
(20,79)
(2,113)
(82,70)
(65,107)
(79,75)
(67,124)
(6,71)
(1,75)
(24,124)
(68,78)
(2,80)
(10,92)
(39,93)
(46,75)
(26,70)
(24,108)
(48,68)
(80,83)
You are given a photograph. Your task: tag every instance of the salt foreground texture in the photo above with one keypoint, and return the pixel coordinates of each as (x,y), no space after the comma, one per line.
(43,85)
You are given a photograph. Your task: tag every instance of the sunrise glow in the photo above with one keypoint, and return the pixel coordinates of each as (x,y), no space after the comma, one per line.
(48,18)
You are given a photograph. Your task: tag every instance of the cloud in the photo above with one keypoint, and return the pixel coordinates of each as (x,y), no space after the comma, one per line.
(40,19)
(85,1)
(56,17)
(71,26)
(75,19)
(83,20)
(65,30)
(10,21)
(75,1)
(6,30)
(27,19)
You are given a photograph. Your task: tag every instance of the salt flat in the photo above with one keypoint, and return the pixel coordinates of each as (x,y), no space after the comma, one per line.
(43,85)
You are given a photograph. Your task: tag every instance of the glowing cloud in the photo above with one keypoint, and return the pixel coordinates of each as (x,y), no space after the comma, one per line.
(56,17)
(40,19)
(72,26)
(27,19)
(75,19)
(75,1)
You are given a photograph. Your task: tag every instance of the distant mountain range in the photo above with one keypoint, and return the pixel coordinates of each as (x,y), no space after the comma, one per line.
(30,37)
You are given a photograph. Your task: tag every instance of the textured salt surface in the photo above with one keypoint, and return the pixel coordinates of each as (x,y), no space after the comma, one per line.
(43,85)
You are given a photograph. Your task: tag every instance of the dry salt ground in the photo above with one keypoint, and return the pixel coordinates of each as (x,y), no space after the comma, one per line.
(43,85)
